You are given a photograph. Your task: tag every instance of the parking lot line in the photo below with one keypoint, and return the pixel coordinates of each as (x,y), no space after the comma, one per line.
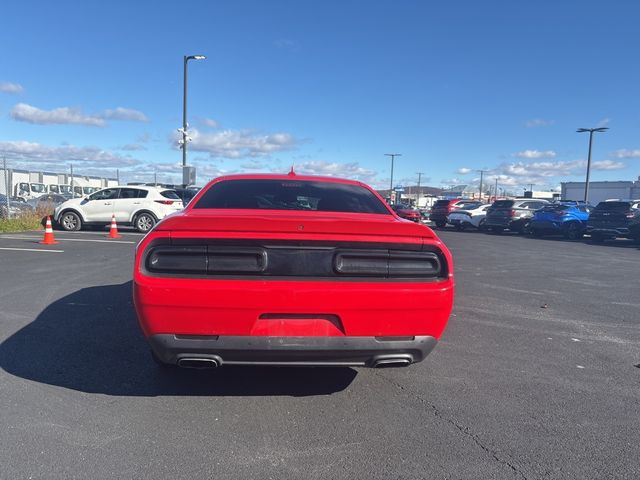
(68,239)
(31,250)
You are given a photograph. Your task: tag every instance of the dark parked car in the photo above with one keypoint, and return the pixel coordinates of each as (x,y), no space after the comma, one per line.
(442,208)
(407,212)
(16,207)
(512,215)
(562,218)
(611,219)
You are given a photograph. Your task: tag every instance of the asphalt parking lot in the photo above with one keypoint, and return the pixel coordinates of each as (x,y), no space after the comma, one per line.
(537,376)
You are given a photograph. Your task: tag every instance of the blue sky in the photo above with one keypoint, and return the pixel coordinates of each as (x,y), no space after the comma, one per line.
(329,86)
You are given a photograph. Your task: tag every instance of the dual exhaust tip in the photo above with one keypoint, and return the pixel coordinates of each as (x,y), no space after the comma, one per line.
(204,363)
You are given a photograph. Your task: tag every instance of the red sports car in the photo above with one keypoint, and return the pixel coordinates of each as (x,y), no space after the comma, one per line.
(291,270)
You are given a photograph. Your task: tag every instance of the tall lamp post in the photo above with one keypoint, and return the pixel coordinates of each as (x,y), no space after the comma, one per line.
(184,113)
(590,130)
(393,156)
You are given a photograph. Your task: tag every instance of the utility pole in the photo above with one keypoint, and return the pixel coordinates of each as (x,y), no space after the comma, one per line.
(481,177)
(496,190)
(418,196)
(7,186)
(393,156)
(118,176)
(590,130)
(73,193)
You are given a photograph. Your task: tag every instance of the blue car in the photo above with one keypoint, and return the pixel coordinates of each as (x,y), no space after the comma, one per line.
(562,218)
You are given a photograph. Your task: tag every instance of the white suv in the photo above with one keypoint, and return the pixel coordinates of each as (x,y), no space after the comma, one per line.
(139,206)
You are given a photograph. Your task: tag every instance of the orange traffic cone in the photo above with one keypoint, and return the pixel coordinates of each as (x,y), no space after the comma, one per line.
(113,231)
(48,239)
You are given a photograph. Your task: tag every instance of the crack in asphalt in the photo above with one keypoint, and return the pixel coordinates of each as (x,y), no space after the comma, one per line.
(461,428)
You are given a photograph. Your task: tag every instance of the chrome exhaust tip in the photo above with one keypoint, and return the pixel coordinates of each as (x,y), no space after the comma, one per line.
(393,361)
(199,362)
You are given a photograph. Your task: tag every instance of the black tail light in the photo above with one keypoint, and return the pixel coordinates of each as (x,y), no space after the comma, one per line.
(387,264)
(294,260)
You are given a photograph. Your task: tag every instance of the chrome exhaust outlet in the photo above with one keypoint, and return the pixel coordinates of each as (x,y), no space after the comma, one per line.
(198,362)
(393,361)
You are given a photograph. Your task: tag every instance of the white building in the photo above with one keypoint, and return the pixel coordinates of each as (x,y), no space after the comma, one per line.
(601,191)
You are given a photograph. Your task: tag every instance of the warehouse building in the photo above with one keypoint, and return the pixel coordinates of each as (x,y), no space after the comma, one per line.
(601,191)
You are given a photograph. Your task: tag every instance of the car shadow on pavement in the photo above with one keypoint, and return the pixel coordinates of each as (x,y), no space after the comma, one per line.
(90,341)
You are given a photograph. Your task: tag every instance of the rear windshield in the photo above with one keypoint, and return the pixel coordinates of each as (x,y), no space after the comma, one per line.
(613,206)
(170,194)
(441,203)
(291,195)
(470,206)
(502,204)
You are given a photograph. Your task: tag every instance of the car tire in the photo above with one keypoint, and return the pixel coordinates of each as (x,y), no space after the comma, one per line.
(597,238)
(497,230)
(70,221)
(481,226)
(573,231)
(441,224)
(536,232)
(144,222)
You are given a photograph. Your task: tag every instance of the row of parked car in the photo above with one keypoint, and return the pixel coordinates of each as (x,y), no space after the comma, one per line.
(539,217)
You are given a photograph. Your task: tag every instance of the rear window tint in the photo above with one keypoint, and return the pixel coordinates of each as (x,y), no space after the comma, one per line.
(613,206)
(291,195)
(170,194)
(502,204)
(441,203)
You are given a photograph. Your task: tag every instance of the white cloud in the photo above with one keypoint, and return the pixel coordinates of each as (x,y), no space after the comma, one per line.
(128,114)
(287,44)
(534,154)
(351,170)
(607,165)
(72,116)
(603,123)
(539,122)
(36,155)
(463,170)
(8,87)
(64,115)
(209,122)
(238,143)
(624,153)
(133,147)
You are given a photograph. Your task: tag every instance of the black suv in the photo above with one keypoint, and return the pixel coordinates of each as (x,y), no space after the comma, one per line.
(615,218)
(512,214)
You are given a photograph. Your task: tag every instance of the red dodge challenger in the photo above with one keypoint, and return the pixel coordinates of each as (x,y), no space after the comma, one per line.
(291,270)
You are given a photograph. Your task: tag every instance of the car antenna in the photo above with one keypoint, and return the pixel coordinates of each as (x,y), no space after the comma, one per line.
(292,172)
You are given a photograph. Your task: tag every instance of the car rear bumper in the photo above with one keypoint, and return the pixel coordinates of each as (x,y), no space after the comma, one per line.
(193,350)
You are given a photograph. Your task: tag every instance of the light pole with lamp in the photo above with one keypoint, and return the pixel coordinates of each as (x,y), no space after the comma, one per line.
(590,130)
(393,156)
(184,116)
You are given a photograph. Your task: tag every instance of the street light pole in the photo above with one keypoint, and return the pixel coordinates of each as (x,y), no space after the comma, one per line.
(496,190)
(590,130)
(481,177)
(393,156)
(184,108)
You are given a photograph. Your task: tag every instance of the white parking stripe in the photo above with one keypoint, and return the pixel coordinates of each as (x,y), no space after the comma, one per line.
(31,250)
(68,239)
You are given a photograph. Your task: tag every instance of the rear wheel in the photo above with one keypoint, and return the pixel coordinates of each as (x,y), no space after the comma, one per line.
(597,238)
(70,222)
(496,230)
(144,222)
(481,226)
(441,224)
(573,231)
